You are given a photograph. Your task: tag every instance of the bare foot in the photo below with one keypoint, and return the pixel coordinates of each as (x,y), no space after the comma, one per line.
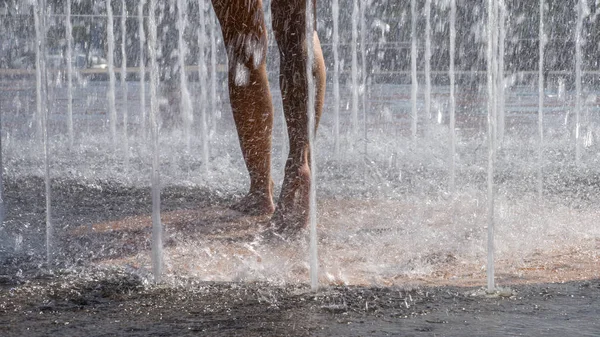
(256,204)
(291,214)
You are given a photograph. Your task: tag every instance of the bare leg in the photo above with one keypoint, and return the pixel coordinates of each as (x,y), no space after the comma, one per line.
(245,37)
(289,25)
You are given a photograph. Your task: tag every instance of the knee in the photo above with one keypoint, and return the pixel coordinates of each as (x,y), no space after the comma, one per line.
(246,52)
(248,48)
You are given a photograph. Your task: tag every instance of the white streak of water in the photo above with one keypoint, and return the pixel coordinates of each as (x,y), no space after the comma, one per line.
(542,41)
(40,29)
(202,73)
(428,59)
(578,61)
(142,65)
(125,106)
(157,230)
(110,58)
(186,101)
(452,75)
(355,93)
(311,35)
(38,75)
(363,56)
(413,67)
(501,32)
(69,57)
(491,117)
(336,78)
(213,75)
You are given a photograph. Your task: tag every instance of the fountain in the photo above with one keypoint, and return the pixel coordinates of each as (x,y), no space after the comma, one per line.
(498,183)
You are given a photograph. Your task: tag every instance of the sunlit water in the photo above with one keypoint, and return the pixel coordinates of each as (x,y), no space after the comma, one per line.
(385,218)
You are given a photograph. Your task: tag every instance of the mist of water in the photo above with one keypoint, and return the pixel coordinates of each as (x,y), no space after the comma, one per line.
(342,250)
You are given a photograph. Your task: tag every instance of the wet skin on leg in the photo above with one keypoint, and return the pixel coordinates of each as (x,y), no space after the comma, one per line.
(244,33)
(289,26)
(245,36)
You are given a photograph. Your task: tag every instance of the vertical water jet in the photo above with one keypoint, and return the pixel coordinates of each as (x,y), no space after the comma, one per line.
(492,25)
(501,14)
(110,58)
(355,93)
(202,70)
(363,56)
(38,73)
(578,78)
(157,229)
(413,68)
(186,101)
(69,57)
(428,59)
(542,41)
(335,9)
(124,93)
(213,74)
(142,65)
(40,17)
(452,75)
(310,37)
